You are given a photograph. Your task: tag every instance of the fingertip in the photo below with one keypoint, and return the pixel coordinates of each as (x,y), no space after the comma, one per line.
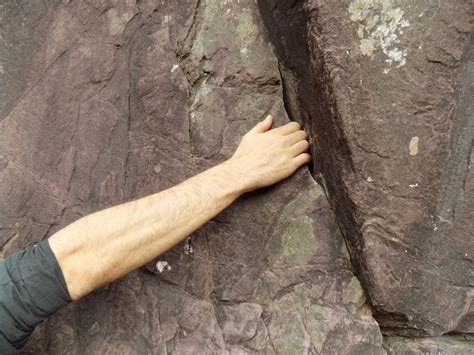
(268,121)
(305,158)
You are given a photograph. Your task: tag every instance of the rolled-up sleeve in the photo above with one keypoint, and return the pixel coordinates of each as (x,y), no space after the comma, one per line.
(32,288)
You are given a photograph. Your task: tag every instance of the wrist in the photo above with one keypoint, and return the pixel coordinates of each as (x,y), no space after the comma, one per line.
(223,181)
(233,181)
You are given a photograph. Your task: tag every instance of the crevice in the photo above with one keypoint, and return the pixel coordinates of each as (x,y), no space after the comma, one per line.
(290,111)
(129,43)
(183,51)
(309,99)
(193,23)
(462,133)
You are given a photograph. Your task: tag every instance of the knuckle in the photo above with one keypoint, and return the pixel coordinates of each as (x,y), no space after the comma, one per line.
(293,124)
(287,140)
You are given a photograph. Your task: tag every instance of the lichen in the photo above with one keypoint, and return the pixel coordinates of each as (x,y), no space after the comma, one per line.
(354,293)
(162,265)
(413,146)
(301,202)
(246,29)
(320,322)
(300,297)
(380,25)
(288,332)
(297,242)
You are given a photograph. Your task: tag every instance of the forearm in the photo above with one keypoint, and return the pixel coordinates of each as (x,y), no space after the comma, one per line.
(106,245)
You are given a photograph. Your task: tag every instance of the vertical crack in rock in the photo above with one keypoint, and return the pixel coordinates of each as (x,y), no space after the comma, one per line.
(308,99)
(462,140)
(183,50)
(135,28)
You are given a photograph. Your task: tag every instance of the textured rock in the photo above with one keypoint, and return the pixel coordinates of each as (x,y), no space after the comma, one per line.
(385,88)
(128,98)
(452,345)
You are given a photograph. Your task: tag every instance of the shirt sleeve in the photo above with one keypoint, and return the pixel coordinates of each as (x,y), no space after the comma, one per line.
(32,288)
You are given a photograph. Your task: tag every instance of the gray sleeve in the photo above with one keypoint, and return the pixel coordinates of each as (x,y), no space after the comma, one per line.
(32,287)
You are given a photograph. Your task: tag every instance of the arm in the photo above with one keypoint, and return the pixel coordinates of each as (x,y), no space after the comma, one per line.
(108,244)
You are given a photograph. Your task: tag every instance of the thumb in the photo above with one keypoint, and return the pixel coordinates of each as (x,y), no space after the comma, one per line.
(263,125)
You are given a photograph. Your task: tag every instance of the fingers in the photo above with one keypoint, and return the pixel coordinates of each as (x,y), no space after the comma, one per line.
(287,128)
(297,136)
(303,158)
(299,147)
(263,125)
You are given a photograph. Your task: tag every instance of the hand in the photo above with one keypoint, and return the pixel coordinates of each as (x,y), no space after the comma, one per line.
(266,156)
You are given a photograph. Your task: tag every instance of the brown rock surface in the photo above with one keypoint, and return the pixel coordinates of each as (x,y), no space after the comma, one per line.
(106,101)
(127,98)
(386,90)
(452,345)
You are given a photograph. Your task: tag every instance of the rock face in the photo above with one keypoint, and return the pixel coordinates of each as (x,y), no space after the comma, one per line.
(386,90)
(452,345)
(116,100)
(106,101)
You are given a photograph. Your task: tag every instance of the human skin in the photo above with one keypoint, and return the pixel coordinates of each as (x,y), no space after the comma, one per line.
(101,247)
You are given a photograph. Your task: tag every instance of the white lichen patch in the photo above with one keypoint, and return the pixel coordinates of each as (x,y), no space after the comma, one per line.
(167,19)
(174,67)
(188,247)
(380,25)
(413,146)
(162,265)
(157,168)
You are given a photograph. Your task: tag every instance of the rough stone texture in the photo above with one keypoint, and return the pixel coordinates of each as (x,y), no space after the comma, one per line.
(114,100)
(447,345)
(386,90)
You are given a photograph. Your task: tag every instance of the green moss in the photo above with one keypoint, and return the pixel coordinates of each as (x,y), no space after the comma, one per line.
(198,118)
(319,323)
(354,292)
(301,202)
(288,332)
(297,242)
(246,28)
(299,298)
(290,301)
(252,105)
(316,191)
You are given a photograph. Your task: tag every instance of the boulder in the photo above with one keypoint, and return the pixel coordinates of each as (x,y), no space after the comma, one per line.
(385,88)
